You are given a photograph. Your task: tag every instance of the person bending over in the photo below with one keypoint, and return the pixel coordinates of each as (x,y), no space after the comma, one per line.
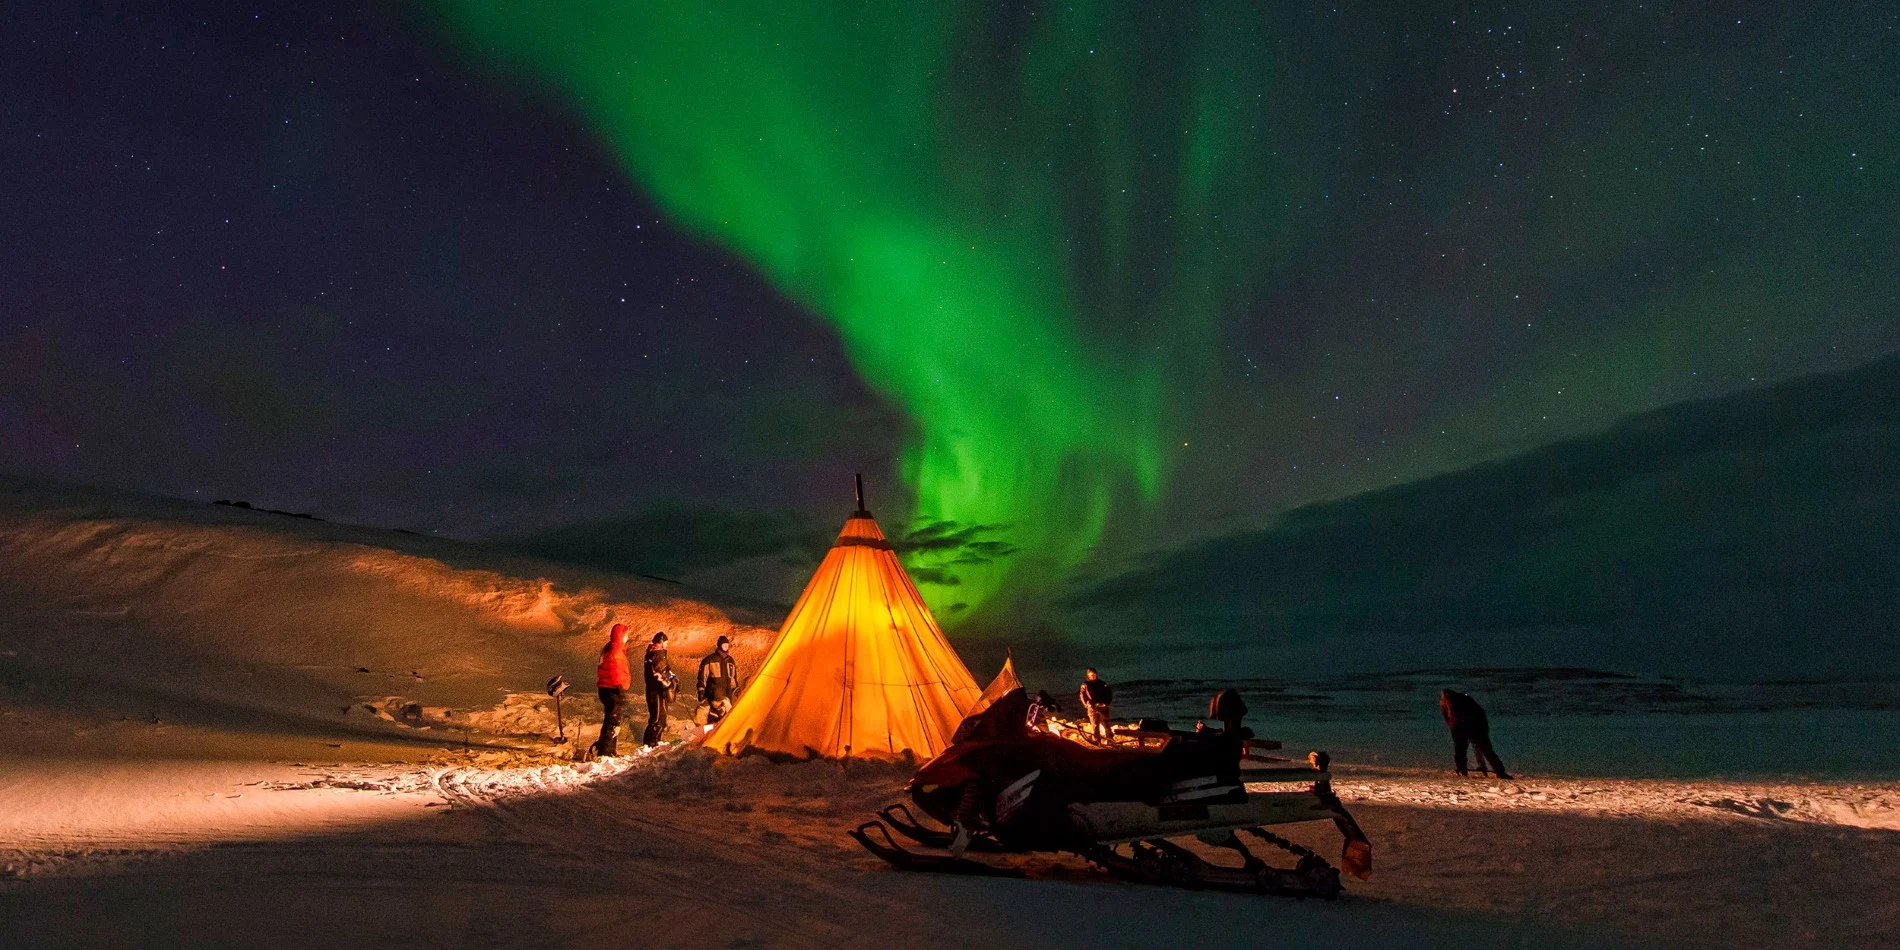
(1040,709)
(1469,727)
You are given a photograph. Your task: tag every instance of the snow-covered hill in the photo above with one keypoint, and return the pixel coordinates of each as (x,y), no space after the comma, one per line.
(141,626)
(1746,537)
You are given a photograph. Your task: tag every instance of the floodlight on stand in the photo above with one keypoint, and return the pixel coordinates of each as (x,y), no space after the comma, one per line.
(557,687)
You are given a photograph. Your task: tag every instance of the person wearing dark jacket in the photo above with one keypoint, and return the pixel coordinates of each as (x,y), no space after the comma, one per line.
(718,680)
(1096,695)
(613,676)
(1469,727)
(1228,709)
(1228,745)
(658,674)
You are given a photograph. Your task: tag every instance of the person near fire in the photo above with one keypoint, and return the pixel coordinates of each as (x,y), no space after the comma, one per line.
(1096,695)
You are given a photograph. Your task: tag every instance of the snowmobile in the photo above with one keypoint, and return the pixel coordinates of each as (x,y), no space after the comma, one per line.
(1004,787)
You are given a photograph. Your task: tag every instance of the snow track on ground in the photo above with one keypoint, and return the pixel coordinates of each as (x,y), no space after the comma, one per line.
(479,783)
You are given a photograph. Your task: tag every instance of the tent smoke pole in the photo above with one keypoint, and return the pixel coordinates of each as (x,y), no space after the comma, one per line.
(859,479)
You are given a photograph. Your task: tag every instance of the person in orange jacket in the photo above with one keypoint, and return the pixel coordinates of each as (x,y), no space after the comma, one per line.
(614,676)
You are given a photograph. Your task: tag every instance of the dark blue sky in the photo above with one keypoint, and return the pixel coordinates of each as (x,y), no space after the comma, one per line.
(294,257)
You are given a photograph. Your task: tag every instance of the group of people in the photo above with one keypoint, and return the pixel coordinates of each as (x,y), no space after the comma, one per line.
(1470,727)
(1097,699)
(1095,696)
(718,685)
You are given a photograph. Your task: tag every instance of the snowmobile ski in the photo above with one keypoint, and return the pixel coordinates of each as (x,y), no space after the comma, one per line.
(904,859)
(1160,861)
(898,816)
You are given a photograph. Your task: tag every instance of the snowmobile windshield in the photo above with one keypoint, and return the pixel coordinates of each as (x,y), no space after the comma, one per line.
(1005,718)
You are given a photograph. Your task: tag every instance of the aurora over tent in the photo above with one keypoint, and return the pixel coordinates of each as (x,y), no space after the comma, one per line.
(1032,261)
(364,363)
(640,285)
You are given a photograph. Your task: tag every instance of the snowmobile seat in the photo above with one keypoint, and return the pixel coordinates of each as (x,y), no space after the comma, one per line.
(1209,753)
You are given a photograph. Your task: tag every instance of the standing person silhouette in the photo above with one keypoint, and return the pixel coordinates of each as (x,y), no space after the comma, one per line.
(657,672)
(718,680)
(613,676)
(1096,695)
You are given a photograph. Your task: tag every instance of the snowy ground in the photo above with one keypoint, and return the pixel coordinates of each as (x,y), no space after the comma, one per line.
(683,848)
(228,728)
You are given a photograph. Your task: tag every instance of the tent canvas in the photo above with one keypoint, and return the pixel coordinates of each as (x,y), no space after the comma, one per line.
(860,668)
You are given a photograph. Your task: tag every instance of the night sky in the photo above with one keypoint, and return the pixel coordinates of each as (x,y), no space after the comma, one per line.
(1066,282)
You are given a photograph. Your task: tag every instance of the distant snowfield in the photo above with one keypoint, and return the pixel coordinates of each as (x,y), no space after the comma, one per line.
(227,728)
(1843,805)
(1573,722)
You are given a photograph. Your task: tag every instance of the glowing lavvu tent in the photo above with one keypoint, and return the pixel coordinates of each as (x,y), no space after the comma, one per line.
(860,668)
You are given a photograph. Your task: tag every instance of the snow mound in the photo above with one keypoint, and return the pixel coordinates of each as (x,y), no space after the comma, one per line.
(143,626)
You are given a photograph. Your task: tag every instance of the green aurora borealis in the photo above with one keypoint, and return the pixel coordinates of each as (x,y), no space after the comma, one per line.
(1070,241)
(862,163)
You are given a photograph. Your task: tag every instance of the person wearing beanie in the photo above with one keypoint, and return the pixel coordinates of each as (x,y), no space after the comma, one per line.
(718,680)
(658,675)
